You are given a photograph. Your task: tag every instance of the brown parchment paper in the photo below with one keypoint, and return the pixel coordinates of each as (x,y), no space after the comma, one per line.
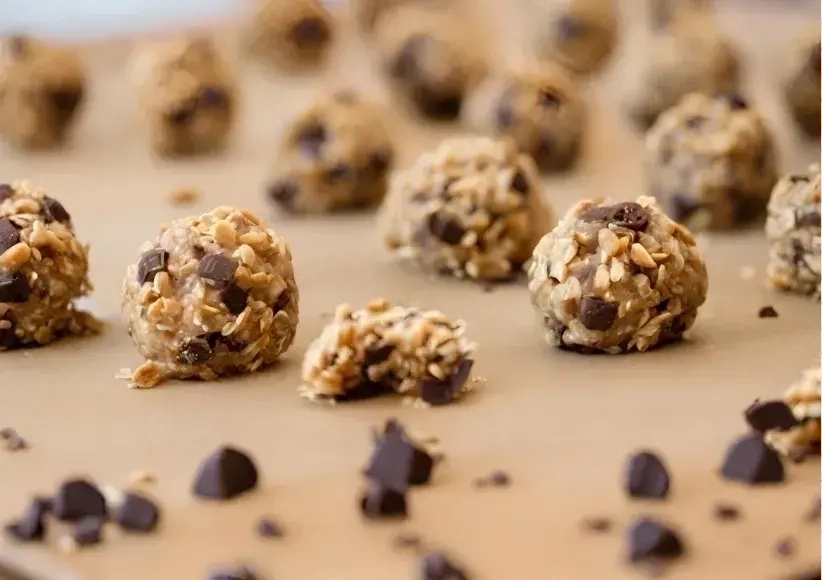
(560,423)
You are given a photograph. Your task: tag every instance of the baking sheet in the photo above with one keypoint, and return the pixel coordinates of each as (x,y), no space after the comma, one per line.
(560,423)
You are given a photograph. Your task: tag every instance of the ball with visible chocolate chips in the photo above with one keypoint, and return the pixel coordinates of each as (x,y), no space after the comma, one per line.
(801,83)
(290,34)
(188,95)
(471,208)
(43,270)
(42,90)
(336,156)
(616,277)
(712,162)
(212,295)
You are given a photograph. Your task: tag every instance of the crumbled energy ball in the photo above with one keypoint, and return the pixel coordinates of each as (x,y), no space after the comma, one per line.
(804,397)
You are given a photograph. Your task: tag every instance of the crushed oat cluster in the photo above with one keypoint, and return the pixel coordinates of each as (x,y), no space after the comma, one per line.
(793,231)
(213,295)
(616,277)
(42,88)
(712,162)
(804,397)
(388,348)
(290,34)
(43,270)
(470,208)
(336,156)
(188,95)
(801,87)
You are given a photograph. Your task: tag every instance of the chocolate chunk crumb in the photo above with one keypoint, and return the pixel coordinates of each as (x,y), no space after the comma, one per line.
(813,514)
(89,531)
(283,193)
(17,443)
(14,288)
(629,215)
(596,313)
(736,101)
(32,526)
(378,501)
(646,476)
(406,540)
(785,548)
(9,235)
(726,512)
(235,298)
(750,460)
(438,566)
(765,416)
(213,97)
(233,573)
(217,270)
(53,210)
(649,539)
(499,478)
(309,32)
(137,513)
(597,525)
(269,528)
(768,312)
(436,392)
(225,474)
(808,217)
(520,184)
(77,499)
(194,351)
(7,432)
(151,263)
(397,463)
(446,229)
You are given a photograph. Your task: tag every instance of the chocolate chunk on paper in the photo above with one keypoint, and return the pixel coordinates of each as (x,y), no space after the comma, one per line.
(225,474)
(646,476)
(750,460)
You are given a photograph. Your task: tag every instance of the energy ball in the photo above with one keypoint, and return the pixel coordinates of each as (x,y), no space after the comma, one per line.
(804,397)
(801,87)
(291,34)
(580,34)
(42,88)
(188,96)
(336,156)
(431,61)
(213,295)
(366,13)
(385,348)
(43,270)
(470,208)
(615,278)
(793,232)
(712,162)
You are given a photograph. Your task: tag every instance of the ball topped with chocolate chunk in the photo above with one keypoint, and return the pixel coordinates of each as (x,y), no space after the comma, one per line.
(336,156)
(290,34)
(212,295)
(712,162)
(42,90)
(616,277)
(187,93)
(471,208)
(43,270)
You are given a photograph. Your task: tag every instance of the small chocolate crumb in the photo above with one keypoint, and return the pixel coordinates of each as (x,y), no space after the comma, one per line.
(520,184)
(646,476)
(89,531)
(137,513)
(438,566)
(726,512)
(397,463)
(77,499)
(269,528)
(183,196)
(32,526)
(735,101)
(649,539)
(217,270)
(597,525)
(499,478)
(785,548)
(763,416)
(750,460)
(814,512)
(406,540)
(17,443)
(233,573)
(768,312)
(150,264)
(225,474)
(378,501)
(310,32)
(7,432)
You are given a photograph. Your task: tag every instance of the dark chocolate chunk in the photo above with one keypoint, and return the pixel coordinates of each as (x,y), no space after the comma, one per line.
(32,526)
(282,301)
(381,160)
(629,215)
(53,211)
(813,514)
(283,193)
(311,139)
(77,499)
(445,229)
(597,214)
(365,389)
(735,101)
(194,351)
(377,501)
(137,514)
(406,64)
(438,566)
(8,234)
(499,478)
(549,99)
(89,531)
(570,28)
(65,101)
(750,460)
(768,312)
(6,191)
(213,97)
(785,548)
(269,528)
(392,461)
(436,392)
(520,184)
(7,432)
(435,105)
(375,356)
(310,32)
(596,313)
(233,573)
(649,539)
(808,217)
(17,443)
(597,525)
(217,270)
(682,206)
(151,263)
(235,298)
(765,416)
(225,474)
(646,476)
(183,113)
(14,288)
(726,512)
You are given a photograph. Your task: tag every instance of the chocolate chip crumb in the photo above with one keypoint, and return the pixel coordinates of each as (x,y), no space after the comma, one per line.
(649,539)
(785,548)
(813,513)
(597,214)
(726,512)
(7,432)
(447,230)
(9,235)
(396,462)
(53,210)
(437,392)
(32,526)
(194,351)
(407,540)
(14,288)
(138,513)
(378,501)
(763,416)
(768,312)
(646,476)
(597,525)
(77,499)
(269,528)
(438,566)
(89,531)
(234,572)
(17,443)
(225,474)
(497,478)
(629,215)
(750,460)
(235,298)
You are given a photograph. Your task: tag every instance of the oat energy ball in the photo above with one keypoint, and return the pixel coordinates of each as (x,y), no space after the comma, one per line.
(712,161)
(801,87)
(580,34)
(291,34)
(43,270)
(213,295)
(385,348)
(793,231)
(366,13)
(804,397)
(188,96)
(336,156)
(42,89)
(470,208)
(616,277)
(430,57)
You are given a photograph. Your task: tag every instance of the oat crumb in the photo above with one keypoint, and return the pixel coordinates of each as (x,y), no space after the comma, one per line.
(747,272)
(141,477)
(183,196)
(66,545)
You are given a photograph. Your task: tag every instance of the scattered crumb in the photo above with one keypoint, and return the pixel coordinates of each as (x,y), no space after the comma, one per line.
(183,196)
(768,312)
(726,512)
(123,374)
(598,525)
(747,272)
(114,497)
(406,540)
(7,432)
(813,513)
(785,548)
(17,443)
(141,477)
(66,545)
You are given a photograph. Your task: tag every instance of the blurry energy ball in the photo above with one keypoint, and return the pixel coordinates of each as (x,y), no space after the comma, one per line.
(366,13)
(801,86)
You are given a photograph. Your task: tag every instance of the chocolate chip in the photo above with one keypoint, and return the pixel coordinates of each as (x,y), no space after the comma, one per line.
(435,105)
(194,351)
(217,270)
(137,514)
(375,356)
(32,526)
(735,101)
(445,229)
(649,539)
(14,288)
(89,531)
(405,64)
(438,566)
(310,32)
(151,263)
(183,113)
(397,463)
(377,501)
(213,97)
(7,432)
(808,217)
(765,416)
(549,99)
(53,210)
(381,160)
(65,101)
(235,298)
(768,312)
(437,392)
(646,476)
(726,512)
(8,234)
(225,474)
(77,499)
(813,514)
(498,478)
(311,139)
(17,443)
(597,525)
(786,547)
(269,528)
(6,191)
(282,301)
(597,214)
(233,573)
(283,193)
(682,206)
(749,460)
(569,28)
(597,314)
(520,184)
(629,215)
